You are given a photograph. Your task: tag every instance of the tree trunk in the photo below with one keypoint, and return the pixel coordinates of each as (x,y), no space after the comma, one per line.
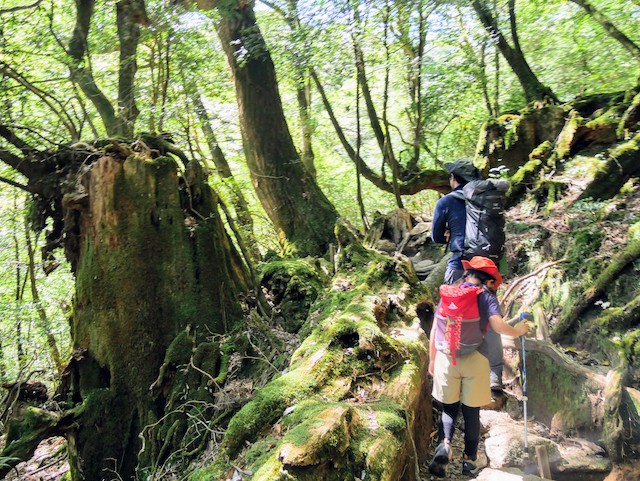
(145,272)
(129,14)
(240,204)
(304,105)
(42,313)
(532,87)
(293,201)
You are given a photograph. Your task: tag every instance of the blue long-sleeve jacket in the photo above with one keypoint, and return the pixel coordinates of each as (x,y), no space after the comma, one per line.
(450,213)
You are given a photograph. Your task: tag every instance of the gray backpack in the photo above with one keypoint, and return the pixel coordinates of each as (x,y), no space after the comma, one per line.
(484,233)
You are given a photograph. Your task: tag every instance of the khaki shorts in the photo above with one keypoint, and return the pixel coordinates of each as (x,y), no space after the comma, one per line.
(467,381)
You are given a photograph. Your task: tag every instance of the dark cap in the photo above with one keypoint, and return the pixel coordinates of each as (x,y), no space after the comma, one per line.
(463,168)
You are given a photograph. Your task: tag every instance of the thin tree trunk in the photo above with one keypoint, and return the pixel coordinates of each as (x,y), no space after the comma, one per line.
(82,74)
(42,314)
(19,293)
(610,28)
(303,89)
(240,204)
(428,179)
(363,211)
(129,15)
(483,79)
(388,148)
(496,93)
(382,136)
(304,104)
(417,89)
(532,87)
(164,85)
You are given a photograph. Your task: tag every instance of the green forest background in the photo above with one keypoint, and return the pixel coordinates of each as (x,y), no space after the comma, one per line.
(433,71)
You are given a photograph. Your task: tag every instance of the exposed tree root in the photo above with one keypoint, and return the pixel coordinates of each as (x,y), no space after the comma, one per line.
(618,263)
(572,398)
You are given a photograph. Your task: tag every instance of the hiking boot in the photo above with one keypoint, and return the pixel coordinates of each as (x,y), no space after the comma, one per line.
(472,466)
(496,382)
(441,458)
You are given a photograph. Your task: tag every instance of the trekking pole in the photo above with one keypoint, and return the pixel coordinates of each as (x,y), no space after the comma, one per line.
(524,396)
(525,316)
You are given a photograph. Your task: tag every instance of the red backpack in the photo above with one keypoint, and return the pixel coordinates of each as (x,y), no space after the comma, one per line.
(458,305)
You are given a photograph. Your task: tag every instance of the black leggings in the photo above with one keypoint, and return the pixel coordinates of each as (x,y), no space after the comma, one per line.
(447,426)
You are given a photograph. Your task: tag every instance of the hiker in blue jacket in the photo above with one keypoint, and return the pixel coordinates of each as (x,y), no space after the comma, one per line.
(449,216)
(449,225)
(460,368)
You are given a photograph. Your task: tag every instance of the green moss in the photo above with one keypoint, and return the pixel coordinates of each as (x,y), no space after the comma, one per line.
(212,472)
(557,395)
(294,284)
(510,126)
(179,351)
(390,418)
(629,344)
(164,165)
(566,138)
(260,451)
(267,406)
(587,242)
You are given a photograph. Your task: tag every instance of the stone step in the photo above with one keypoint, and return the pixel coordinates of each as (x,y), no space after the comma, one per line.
(569,458)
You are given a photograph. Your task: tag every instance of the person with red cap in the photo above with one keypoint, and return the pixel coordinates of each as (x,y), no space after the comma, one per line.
(449,227)
(461,371)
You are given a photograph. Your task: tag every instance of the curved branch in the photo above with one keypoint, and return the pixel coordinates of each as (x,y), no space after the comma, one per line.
(520,280)
(20,164)
(532,87)
(20,7)
(610,28)
(16,184)
(16,141)
(47,98)
(426,179)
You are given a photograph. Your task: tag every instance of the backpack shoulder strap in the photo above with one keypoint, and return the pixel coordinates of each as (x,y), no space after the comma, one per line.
(457,194)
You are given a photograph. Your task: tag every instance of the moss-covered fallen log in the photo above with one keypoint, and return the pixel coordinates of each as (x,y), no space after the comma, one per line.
(623,162)
(617,264)
(353,402)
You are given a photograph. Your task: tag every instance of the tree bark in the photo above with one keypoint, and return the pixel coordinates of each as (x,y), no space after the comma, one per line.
(129,15)
(145,273)
(293,201)
(303,94)
(532,87)
(303,89)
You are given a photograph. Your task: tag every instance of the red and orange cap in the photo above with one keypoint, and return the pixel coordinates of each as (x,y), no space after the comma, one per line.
(485,265)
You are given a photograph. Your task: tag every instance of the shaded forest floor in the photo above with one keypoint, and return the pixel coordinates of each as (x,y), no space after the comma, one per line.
(48,463)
